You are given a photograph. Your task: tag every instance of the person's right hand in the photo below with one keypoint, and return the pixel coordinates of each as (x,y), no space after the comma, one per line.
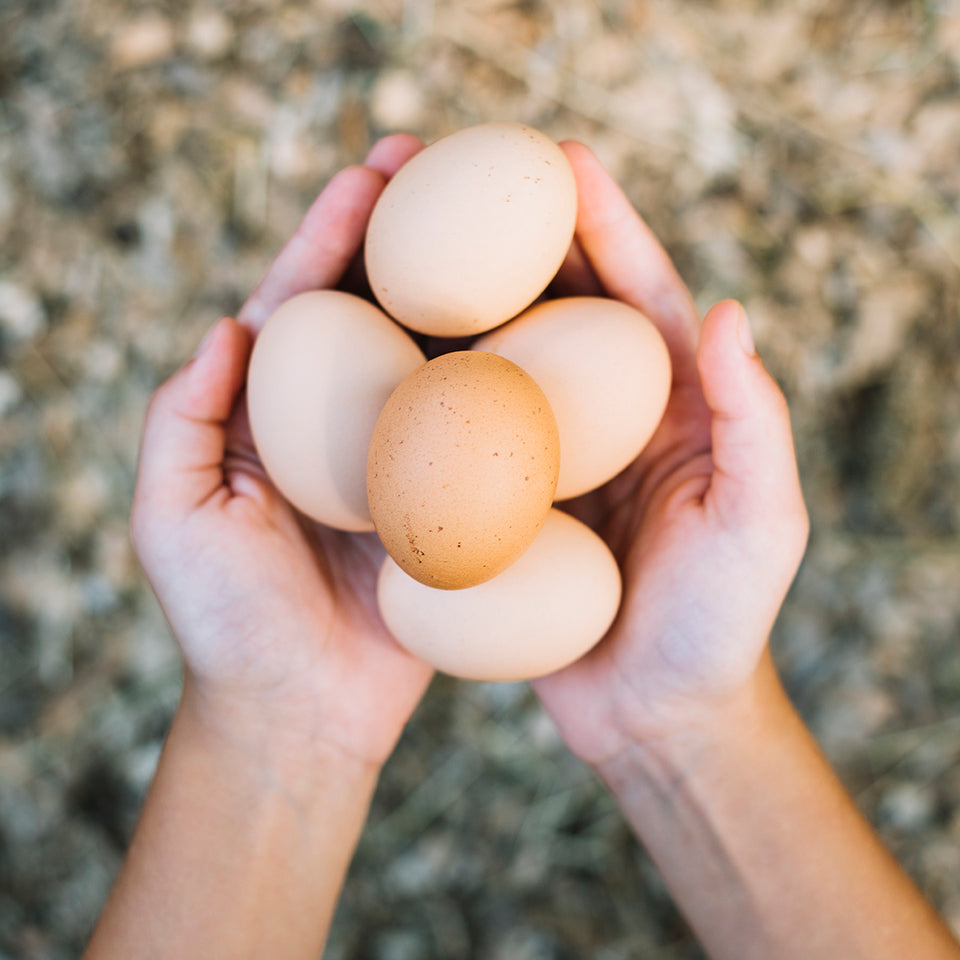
(708,525)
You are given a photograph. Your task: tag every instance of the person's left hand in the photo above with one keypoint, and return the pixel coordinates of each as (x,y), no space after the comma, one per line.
(276,616)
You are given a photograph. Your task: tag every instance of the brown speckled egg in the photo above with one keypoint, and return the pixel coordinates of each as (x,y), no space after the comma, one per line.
(462,468)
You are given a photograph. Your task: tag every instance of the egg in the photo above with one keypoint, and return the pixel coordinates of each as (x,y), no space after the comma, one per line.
(321,370)
(606,371)
(462,468)
(544,611)
(471,230)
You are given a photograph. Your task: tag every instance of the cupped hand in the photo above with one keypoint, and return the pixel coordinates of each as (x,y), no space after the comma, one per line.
(708,524)
(275,615)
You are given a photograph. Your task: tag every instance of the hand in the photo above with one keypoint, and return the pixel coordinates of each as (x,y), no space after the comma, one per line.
(276,616)
(708,524)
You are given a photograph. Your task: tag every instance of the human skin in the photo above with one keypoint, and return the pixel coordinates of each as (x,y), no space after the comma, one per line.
(294,692)
(679,709)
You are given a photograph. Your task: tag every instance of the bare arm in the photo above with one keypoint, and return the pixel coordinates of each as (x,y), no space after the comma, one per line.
(242,846)
(764,850)
(295,693)
(679,708)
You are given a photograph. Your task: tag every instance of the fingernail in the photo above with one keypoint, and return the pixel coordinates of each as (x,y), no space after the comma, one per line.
(744,334)
(207,337)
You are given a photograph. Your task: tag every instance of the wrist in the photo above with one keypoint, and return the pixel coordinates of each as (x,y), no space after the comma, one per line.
(280,743)
(244,841)
(670,756)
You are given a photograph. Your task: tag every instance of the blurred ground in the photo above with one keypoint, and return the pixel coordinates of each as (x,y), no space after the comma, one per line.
(802,156)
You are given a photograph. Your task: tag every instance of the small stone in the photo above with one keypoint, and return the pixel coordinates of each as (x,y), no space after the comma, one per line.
(114,556)
(885,314)
(247,102)
(908,806)
(521,943)
(140,765)
(210,34)
(22,316)
(11,393)
(7,200)
(142,42)
(103,361)
(813,245)
(82,498)
(98,594)
(400,945)
(397,101)
(542,732)
(419,870)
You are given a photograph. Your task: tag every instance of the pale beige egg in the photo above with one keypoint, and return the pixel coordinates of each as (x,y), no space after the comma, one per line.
(546,610)
(462,468)
(605,369)
(321,370)
(471,230)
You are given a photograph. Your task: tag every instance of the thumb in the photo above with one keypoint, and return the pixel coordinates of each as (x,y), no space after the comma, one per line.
(184,436)
(755,483)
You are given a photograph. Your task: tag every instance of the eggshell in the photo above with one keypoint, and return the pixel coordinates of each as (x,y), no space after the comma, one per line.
(321,370)
(462,469)
(605,370)
(472,229)
(543,612)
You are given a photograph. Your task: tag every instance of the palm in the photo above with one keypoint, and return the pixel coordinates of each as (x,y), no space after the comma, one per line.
(327,578)
(652,517)
(656,516)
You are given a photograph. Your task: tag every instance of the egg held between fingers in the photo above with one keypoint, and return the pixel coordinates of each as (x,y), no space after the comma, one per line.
(462,468)
(320,372)
(546,610)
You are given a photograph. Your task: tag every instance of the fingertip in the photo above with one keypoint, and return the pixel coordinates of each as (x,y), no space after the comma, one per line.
(598,194)
(390,153)
(218,370)
(719,331)
(755,484)
(323,245)
(357,182)
(578,152)
(750,412)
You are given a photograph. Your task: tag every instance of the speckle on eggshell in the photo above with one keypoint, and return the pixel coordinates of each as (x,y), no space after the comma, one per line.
(449,509)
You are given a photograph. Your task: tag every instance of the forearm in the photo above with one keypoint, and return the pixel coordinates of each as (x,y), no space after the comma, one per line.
(763,849)
(241,849)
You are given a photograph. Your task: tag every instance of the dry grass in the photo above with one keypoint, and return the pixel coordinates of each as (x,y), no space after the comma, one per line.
(153,157)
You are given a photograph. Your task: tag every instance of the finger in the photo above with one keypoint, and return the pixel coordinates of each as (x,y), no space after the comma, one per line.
(576,277)
(629,260)
(322,247)
(388,155)
(755,482)
(184,436)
